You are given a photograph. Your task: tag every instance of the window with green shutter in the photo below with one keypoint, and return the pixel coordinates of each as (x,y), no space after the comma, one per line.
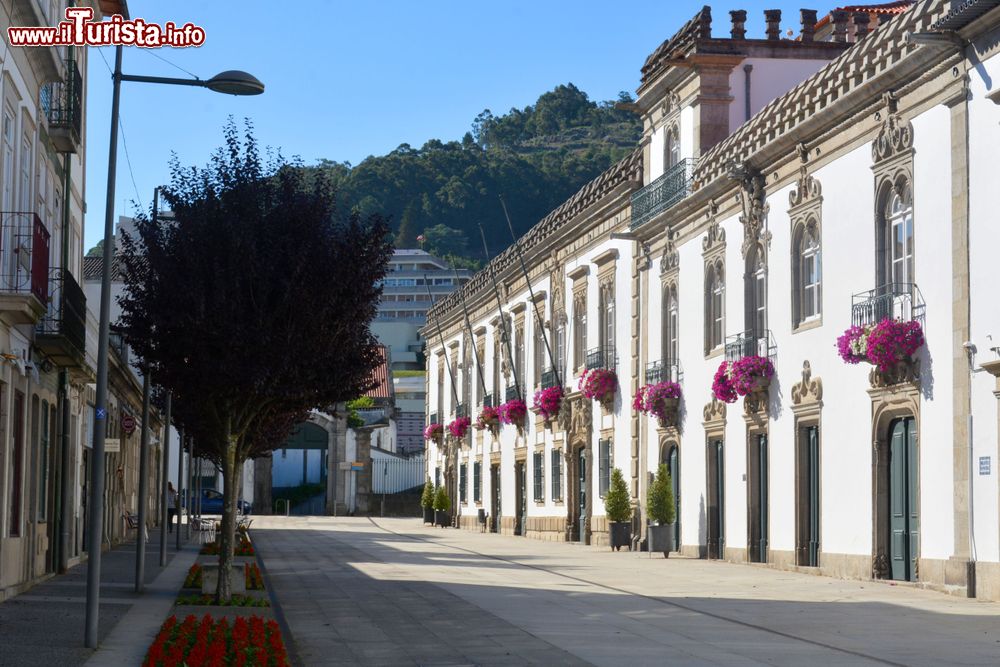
(605,465)
(539,475)
(556,474)
(477,481)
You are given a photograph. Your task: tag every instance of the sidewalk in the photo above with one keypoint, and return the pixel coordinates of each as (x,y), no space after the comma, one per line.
(45,625)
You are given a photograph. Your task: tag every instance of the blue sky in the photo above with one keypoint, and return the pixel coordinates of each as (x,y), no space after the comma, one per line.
(350,79)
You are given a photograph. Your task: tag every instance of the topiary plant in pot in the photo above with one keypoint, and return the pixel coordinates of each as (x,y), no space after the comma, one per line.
(660,508)
(427,501)
(618,509)
(442,504)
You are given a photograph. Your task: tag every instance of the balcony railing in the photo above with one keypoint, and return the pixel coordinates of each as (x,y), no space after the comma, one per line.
(488,400)
(549,378)
(511,393)
(658,371)
(460,410)
(602,357)
(120,347)
(24,255)
(433,419)
(897,301)
(750,343)
(662,193)
(62,103)
(66,316)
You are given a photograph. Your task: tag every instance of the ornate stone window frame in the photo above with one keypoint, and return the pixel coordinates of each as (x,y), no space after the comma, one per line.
(805,212)
(579,278)
(807,409)
(713,248)
(669,286)
(607,263)
(892,165)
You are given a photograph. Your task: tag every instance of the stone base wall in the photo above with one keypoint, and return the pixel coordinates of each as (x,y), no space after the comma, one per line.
(549,528)
(599,532)
(988,581)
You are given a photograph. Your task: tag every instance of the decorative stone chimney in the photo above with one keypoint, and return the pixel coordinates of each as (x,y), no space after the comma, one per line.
(839,19)
(808,19)
(861,21)
(705,23)
(739,19)
(773,19)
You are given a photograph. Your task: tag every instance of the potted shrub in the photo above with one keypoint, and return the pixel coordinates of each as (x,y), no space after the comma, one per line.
(660,508)
(427,501)
(442,504)
(618,509)
(547,402)
(599,384)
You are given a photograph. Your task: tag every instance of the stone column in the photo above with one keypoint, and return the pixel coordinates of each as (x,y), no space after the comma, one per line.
(773,19)
(739,19)
(808,20)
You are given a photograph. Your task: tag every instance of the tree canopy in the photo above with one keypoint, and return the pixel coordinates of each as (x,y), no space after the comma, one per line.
(251,303)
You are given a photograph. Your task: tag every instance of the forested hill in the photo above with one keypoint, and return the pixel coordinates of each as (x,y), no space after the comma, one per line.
(536,157)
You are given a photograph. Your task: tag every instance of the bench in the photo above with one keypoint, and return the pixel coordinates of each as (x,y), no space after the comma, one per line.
(132,523)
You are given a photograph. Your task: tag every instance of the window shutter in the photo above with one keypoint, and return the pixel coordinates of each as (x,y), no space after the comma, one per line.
(556,475)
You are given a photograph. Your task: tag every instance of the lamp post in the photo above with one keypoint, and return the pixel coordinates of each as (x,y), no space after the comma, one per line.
(232,82)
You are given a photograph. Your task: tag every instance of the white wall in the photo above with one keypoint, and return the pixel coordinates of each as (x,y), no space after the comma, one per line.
(770,78)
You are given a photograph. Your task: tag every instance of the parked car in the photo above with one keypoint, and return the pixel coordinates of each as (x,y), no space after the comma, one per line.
(211,503)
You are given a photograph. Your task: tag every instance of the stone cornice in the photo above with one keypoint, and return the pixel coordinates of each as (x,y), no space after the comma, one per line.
(579,272)
(605,257)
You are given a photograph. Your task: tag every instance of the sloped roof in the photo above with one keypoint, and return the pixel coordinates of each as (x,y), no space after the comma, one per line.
(381,375)
(700,25)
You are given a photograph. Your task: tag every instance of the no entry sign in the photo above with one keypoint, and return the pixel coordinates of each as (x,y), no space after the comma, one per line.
(128,424)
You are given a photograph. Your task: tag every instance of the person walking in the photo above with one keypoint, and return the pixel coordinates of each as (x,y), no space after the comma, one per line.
(171,505)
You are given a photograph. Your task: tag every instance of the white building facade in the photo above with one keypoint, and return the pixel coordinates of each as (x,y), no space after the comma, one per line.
(769,208)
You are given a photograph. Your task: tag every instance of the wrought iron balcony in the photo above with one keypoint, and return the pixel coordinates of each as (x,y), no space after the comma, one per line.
(658,371)
(602,357)
(488,400)
(119,346)
(62,103)
(750,343)
(24,266)
(62,332)
(549,379)
(895,301)
(511,393)
(460,410)
(662,193)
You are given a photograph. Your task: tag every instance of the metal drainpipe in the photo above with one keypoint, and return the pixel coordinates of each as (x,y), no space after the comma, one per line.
(746,88)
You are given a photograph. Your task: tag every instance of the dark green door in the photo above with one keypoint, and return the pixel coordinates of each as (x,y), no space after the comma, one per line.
(581,521)
(716,500)
(522,491)
(495,499)
(903,517)
(762,492)
(673,465)
(812,452)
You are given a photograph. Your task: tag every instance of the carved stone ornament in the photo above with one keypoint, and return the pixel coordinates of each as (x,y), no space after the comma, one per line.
(671,102)
(581,418)
(671,258)
(895,135)
(564,420)
(755,403)
(755,207)
(714,411)
(557,279)
(809,390)
(805,190)
(714,237)
(906,371)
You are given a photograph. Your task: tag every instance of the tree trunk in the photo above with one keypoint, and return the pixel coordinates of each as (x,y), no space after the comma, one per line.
(230,493)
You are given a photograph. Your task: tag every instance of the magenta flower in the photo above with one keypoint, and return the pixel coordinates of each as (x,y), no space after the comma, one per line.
(512,412)
(748,373)
(891,341)
(598,384)
(547,402)
(488,418)
(652,399)
(459,427)
(722,384)
(433,431)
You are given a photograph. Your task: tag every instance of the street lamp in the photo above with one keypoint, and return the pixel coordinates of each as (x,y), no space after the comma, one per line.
(232,82)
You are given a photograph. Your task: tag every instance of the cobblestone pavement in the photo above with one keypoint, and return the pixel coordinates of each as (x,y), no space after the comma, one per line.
(393,592)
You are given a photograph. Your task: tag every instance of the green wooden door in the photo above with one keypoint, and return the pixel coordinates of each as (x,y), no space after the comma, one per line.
(762,491)
(521,504)
(903,518)
(495,499)
(581,522)
(813,497)
(673,463)
(720,499)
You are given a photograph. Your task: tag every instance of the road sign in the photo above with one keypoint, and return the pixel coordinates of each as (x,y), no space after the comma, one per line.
(128,424)
(112,445)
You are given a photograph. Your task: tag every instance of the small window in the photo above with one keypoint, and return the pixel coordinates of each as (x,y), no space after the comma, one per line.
(671,148)
(561,351)
(579,332)
(539,352)
(715,303)
(539,476)
(604,468)
(899,216)
(670,325)
(810,275)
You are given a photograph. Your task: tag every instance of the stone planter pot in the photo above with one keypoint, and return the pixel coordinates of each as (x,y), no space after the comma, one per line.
(442,518)
(429,515)
(620,535)
(661,538)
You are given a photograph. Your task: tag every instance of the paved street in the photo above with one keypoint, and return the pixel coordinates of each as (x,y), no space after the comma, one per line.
(392,592)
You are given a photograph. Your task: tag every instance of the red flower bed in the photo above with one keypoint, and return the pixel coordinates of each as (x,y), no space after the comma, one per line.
(213,643)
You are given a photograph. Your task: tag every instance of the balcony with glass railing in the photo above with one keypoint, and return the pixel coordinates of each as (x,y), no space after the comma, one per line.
(750,343)
(894,301)
(663,192)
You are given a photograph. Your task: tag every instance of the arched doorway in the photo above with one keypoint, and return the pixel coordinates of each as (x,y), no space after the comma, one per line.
(895,491)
